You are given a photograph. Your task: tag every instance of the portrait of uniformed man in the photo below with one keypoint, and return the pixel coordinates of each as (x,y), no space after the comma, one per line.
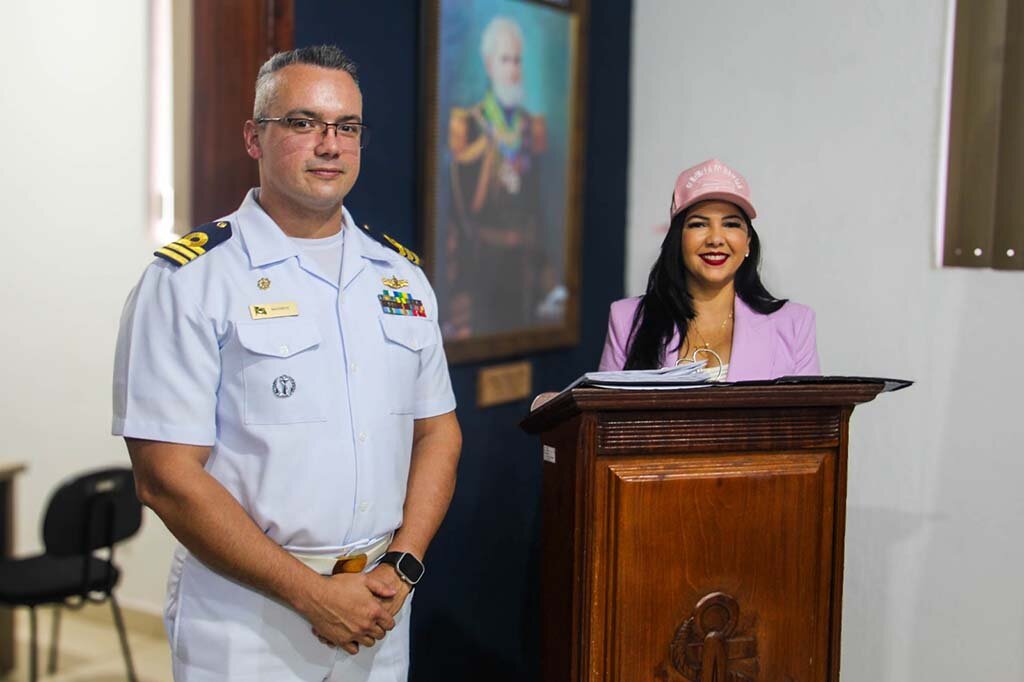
(495,245)
(282,388)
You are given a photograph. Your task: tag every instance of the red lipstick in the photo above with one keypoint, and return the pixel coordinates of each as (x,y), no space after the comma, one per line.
(714,259)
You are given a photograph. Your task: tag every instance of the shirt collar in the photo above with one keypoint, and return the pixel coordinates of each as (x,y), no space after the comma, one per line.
(369,248)
(264,239)
(361,247)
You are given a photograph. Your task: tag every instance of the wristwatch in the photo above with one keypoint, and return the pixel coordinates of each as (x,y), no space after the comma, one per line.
(409,568)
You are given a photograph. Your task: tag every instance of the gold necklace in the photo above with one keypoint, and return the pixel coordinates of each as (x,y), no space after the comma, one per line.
(707,347)
(720,329)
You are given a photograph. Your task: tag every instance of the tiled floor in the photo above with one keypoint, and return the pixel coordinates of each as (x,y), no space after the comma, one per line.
(90,652)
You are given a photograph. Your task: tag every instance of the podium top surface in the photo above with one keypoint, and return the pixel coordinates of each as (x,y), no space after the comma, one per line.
(784,392)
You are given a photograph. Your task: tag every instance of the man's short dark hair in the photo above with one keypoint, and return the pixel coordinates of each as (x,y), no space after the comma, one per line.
(324,56)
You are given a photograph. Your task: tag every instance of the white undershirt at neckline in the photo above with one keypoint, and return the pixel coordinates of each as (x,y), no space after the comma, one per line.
(326,252)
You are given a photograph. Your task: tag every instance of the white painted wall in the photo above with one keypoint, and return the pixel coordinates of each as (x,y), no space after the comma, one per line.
(833,111)
(73,223)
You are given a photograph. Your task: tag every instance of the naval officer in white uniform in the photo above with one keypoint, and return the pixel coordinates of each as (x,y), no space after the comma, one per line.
(283,391)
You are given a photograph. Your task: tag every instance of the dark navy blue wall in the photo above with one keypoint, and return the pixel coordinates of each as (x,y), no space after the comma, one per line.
(477,612)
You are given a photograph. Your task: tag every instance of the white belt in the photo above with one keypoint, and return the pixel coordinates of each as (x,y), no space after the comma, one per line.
(353,558)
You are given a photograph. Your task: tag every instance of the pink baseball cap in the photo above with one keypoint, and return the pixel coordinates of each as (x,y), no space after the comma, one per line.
(709,180)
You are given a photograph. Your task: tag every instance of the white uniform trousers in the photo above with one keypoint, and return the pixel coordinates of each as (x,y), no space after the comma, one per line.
(221,630)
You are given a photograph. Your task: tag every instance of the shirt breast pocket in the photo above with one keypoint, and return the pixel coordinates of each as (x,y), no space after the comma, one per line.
(406,338)
(283,371)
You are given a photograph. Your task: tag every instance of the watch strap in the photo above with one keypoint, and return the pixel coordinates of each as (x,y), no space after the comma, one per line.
(400,561)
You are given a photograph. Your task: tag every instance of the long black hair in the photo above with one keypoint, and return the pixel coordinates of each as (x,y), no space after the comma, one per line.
(668,303)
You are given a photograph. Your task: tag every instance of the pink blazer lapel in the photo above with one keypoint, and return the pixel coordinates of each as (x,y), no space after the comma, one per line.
(753,350)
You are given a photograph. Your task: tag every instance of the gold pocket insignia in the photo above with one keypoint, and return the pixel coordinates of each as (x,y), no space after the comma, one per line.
(394,283)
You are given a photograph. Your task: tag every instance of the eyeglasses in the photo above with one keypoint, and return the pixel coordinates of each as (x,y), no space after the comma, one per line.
(346,130)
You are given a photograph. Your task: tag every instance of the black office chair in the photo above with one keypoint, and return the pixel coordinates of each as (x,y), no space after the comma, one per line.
(90,512)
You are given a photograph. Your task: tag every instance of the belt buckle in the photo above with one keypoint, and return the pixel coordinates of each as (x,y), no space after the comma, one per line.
(350,564)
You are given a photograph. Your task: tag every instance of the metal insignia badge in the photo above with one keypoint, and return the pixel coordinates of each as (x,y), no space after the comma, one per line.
(284,386)
(395,283)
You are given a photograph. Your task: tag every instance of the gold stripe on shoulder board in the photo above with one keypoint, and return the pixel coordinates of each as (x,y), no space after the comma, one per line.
(195,241)
(389,242)
(412,257)
(177,258)
(199,241)
(178,248)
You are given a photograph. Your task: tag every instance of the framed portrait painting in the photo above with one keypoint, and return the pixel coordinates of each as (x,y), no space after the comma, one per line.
(502,172)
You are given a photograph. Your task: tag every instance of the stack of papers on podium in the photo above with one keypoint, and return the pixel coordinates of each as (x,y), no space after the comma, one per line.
(689,375)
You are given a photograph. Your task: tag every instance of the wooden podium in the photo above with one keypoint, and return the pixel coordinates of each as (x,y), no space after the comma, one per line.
(695,534)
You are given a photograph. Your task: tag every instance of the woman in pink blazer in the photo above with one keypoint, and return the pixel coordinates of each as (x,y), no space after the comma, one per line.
(705,299)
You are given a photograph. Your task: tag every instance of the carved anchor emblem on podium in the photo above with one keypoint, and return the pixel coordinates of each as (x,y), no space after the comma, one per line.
(707,648)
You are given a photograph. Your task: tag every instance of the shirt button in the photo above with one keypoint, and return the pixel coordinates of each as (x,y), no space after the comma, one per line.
(364,506)
(362,437)
(284,350)
(353,367)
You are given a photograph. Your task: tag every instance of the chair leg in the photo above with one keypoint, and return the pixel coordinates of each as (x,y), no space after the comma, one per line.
(33,672)
(51,667)
(123,635)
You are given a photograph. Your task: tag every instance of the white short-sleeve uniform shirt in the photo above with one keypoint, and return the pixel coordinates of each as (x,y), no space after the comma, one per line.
(310,416)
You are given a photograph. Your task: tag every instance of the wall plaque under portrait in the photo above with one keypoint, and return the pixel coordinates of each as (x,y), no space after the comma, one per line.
(501,177)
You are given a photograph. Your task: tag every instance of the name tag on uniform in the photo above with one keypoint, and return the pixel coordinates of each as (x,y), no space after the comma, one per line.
(267,311)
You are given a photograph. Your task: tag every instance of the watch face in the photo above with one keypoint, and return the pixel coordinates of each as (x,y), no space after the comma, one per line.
(410,567)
